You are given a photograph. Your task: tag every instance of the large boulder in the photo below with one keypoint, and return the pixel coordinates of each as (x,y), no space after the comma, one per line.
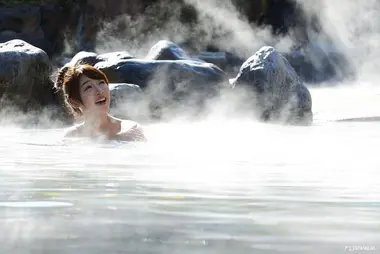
(91,58)
(175,74)
(227,61)
(128,101)
(84,57)
(278,92)
(167,50)
(25,73)
(123,91)
(115,56)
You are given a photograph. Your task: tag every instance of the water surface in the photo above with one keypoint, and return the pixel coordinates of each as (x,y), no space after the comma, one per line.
(216,186)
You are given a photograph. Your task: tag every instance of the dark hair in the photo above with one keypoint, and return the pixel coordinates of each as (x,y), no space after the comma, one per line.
(68,82)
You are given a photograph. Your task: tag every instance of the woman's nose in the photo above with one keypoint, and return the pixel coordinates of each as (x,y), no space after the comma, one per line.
(99,90)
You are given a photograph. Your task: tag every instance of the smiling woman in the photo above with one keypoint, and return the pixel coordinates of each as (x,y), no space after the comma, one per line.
(86,94)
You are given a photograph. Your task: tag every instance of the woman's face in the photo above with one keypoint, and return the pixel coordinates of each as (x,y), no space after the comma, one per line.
(95,95)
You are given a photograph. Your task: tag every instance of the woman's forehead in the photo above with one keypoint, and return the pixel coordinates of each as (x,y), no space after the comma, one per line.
(84,78)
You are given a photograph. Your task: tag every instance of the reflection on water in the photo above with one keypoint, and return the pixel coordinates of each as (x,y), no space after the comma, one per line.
(210,187)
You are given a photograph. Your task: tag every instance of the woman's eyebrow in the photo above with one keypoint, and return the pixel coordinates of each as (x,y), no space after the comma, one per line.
(85,82)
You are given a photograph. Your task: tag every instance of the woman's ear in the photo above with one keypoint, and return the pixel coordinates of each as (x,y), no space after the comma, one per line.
(74,103)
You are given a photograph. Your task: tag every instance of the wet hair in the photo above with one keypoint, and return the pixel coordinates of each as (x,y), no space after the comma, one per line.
(68,81)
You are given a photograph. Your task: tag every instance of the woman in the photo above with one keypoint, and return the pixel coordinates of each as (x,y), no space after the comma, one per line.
(86,94)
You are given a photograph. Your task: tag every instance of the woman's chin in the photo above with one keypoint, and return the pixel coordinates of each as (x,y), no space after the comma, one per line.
(98,111)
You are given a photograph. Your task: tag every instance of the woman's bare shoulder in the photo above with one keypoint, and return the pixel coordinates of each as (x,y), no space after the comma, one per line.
(128,124)
(73,131)
(131,131)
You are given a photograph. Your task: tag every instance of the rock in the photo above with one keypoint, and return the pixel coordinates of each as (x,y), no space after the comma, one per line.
(128,101)
(301,111)
(49,26)
(84,57)
(25,73)
(59,22)
(169,83)
(279,94)
(25,19)
(91,58)
(114,75)
(226,61)
(167,50)
(115,56)
(36,40)
(23,23)
(145,72)
(217,58)
(123,91)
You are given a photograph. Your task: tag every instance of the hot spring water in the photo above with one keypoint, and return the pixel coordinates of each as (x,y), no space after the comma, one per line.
(216,186)
(221,185)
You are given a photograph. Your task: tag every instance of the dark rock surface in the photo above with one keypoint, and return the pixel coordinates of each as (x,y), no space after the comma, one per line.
(167,50)
(169,83)
(91,58)
(278,92)
(128,101)
(25,73)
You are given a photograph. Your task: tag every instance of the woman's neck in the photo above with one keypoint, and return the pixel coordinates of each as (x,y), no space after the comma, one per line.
(97,124)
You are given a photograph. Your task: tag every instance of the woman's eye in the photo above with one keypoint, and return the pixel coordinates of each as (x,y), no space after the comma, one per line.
(88,87)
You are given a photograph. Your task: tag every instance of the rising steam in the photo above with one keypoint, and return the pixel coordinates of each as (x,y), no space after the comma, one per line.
(349,26)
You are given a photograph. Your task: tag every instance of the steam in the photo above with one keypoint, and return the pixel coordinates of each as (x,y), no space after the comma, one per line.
(232,31)
(350,27)
(218,23)
(138,34)
(47,117)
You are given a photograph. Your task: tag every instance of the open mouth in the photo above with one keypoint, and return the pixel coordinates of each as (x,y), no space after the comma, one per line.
(101,101)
